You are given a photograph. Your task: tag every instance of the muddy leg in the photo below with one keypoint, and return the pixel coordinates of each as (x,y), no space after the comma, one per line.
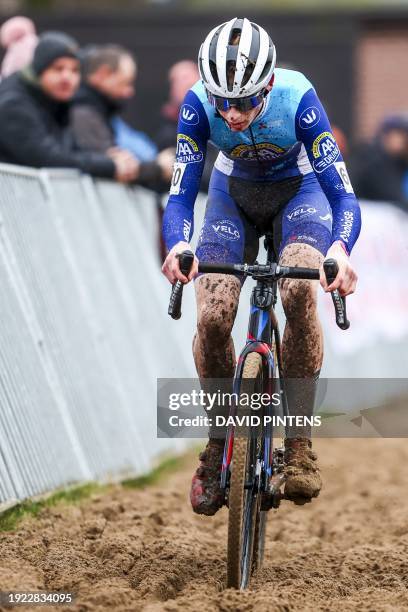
(302,347)
(217,302)
(302,355)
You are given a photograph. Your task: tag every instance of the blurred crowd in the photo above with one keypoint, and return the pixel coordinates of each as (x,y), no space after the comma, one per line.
(61,106)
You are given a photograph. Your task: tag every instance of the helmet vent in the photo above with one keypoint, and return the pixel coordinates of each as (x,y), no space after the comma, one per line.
(235,37)
(265,71)
(214,73)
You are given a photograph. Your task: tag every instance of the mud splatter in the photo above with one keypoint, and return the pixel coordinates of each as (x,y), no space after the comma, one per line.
(302,345)
(217,303)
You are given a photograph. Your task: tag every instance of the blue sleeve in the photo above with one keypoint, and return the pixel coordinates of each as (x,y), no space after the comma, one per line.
(314,131)
(192,135)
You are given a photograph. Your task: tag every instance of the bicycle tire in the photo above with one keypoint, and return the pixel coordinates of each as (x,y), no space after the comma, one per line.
(262,518)
(259,541)
(244,509)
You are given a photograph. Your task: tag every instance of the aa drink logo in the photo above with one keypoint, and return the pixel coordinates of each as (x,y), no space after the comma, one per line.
(226,229)
(325,151)
(188,115)
(187,150)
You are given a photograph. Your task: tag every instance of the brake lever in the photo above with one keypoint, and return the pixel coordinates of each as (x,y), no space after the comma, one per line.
(331,269)
(186,262)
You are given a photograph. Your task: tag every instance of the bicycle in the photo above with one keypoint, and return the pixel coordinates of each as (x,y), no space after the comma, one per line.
(252,472)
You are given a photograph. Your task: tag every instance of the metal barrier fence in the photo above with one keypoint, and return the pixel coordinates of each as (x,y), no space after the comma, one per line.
(81,331)
(84,333)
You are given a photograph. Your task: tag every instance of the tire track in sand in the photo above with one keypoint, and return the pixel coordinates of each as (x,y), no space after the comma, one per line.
(144,550)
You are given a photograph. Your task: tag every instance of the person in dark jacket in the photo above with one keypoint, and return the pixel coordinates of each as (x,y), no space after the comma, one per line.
(109,72)
(34,115)
(379,169)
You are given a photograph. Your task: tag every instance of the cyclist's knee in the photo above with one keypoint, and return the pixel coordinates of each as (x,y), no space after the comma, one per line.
(299,297)
(217,302)
(214,324)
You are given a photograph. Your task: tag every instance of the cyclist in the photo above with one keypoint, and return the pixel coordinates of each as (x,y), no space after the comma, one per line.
(279,168)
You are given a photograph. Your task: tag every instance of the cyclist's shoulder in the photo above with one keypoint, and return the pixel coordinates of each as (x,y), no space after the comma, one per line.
(290,84)
(198,90)
(197,97)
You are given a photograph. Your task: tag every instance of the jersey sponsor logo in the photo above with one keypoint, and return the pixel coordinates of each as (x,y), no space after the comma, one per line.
(178,171)
(309,118)
(326,217)
(186,229)
(346,225)
(345,179)
(300,212)
(306,238)
(189,115)
(226,229)
(187,150)
(325,151)
(264,150)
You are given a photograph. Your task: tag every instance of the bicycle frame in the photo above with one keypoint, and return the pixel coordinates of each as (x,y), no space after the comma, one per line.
(263,329)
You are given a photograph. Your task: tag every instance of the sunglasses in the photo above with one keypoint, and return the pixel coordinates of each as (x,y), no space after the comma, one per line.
(241,104)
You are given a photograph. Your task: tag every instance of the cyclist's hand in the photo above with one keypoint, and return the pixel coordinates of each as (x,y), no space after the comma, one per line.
(171,266)
(346,278)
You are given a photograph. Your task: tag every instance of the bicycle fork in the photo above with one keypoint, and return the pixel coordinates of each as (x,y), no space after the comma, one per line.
(262,324)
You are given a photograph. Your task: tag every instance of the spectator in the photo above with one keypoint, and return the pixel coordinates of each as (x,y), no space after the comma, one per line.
(379,170)
(18,37)
(34,114)
(109,73)
(182,76)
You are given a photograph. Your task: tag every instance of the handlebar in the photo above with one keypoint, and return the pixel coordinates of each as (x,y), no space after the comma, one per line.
(271,272)
(258,271)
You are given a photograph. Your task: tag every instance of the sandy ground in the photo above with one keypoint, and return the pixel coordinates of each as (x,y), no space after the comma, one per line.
(145,550)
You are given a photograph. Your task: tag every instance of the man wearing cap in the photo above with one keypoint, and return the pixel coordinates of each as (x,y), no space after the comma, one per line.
(34,115)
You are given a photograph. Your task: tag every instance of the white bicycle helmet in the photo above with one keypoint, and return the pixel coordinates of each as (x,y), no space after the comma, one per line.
(237,59)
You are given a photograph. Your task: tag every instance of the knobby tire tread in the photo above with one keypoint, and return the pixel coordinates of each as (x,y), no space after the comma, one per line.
(252,369)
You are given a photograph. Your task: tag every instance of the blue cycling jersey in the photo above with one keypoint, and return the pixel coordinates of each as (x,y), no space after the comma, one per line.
(290,137)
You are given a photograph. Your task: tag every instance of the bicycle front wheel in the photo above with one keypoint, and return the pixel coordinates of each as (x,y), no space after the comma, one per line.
(244,498)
